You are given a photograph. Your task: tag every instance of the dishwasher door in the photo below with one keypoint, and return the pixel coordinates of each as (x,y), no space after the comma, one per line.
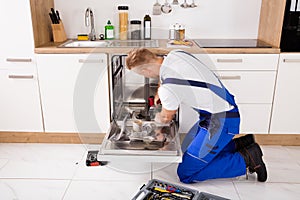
(130,93)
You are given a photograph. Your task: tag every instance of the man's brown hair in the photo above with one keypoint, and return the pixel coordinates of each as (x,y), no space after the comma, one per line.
(138,57)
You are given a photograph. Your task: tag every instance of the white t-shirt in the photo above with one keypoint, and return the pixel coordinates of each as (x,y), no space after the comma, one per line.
(180,65)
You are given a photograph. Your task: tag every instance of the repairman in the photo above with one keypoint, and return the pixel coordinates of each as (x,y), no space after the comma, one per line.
(210,151)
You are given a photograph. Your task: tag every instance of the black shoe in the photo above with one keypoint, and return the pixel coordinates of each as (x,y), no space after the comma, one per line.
(243,141)
(253,158)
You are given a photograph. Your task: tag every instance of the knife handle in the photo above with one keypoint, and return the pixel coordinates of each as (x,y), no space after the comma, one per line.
(54,16)
(57,14)
(51,17)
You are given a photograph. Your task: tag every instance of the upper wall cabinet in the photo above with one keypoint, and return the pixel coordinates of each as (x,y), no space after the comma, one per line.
(17,41)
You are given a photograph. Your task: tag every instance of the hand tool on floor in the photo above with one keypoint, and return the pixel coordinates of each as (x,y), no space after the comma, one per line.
(92,160)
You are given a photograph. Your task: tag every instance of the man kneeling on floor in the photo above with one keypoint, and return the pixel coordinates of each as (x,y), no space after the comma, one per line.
(209,148)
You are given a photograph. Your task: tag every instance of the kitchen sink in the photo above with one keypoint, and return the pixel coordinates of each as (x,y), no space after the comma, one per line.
(111,43)
(86,44)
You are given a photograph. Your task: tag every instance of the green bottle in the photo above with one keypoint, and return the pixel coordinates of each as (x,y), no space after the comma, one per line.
(109,31)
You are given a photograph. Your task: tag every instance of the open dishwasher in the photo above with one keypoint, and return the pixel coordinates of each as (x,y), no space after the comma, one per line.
(133,132)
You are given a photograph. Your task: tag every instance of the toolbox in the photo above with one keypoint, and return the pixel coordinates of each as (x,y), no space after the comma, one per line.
(161,190)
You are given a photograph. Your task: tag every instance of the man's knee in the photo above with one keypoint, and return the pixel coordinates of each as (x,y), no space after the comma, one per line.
(183,174)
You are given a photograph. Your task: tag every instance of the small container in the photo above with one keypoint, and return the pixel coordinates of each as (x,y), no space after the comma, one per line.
(181,33)
(109,31)
(172,32)
(177,34)
(135,29)
(123,22)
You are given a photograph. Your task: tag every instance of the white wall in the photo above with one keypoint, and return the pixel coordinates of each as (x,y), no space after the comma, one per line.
(211,19)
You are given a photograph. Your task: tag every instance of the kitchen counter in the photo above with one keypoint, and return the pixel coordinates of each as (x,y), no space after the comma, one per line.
(52,48)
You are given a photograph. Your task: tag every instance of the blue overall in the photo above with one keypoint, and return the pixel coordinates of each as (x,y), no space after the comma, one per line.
(209,151)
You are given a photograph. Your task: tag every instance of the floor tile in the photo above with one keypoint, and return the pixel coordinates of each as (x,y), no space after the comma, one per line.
(294,151)
(106,190)
(287,172)
(52,161)
(19,189)
(250,191)
(276,153)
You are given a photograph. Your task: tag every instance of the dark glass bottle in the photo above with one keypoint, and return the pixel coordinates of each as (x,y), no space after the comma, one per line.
(147,27)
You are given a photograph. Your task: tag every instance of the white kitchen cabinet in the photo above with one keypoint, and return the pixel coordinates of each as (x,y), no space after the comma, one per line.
(16,31)
(74,92)
(251,79)
(20,108)
(19,103)
(286,108)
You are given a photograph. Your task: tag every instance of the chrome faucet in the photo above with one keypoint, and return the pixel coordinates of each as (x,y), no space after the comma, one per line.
(90,21)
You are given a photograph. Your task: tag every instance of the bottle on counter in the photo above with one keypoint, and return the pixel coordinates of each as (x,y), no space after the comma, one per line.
(109,31)
(123,22)
(135,29)
(147,27)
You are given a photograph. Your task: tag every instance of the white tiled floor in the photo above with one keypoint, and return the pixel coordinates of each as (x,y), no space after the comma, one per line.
(57,171)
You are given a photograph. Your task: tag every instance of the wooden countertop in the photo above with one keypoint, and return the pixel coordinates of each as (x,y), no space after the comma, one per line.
(52,48)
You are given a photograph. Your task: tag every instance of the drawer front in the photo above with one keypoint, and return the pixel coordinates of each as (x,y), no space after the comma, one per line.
(17,63)
(240,61)
(249,86)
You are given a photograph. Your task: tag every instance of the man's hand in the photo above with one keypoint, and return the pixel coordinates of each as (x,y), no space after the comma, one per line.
(165,116)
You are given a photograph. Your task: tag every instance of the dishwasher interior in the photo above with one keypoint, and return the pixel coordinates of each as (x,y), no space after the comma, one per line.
(133,131)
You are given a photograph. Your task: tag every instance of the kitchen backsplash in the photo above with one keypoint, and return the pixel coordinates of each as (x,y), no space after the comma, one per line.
(210,19)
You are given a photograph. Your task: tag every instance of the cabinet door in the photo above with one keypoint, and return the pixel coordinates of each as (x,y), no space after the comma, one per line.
(16,39)
(255,118)
(286,108)
(74,92)
(20,102)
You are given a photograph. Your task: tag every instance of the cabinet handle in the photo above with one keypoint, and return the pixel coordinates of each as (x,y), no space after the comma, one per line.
(229,77)
(90,60)
(291,60)
(20,76)
(18,59)
(229,60)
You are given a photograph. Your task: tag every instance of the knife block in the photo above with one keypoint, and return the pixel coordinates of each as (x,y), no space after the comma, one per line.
(58,31)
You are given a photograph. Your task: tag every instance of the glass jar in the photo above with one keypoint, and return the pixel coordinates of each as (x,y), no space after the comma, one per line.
(176,32)
(123,22)
(181,33)
(135,29)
